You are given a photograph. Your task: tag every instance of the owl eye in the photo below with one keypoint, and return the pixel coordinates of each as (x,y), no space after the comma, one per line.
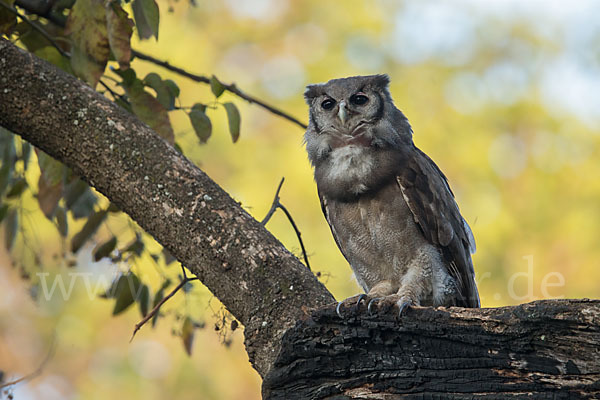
(359,99)
(328,104)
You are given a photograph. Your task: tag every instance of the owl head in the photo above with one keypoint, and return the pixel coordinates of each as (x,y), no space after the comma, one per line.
(354,111)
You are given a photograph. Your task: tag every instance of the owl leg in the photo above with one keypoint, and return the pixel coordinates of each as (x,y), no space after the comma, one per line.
(413,289)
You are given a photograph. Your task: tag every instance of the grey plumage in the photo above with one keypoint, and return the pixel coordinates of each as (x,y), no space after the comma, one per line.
(389,207)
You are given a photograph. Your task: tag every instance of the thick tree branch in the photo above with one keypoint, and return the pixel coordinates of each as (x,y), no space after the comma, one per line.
(261,283)
(541,350)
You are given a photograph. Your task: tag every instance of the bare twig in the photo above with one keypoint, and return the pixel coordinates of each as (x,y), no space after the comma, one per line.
(230,88)
(38,370)
(287,213)
(160,303)
(40,30)
(274,206)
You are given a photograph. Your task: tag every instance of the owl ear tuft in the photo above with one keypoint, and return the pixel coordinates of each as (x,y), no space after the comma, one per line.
(380,81)
(313,91)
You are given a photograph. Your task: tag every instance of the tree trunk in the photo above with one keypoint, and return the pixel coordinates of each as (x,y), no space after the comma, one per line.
(543,350)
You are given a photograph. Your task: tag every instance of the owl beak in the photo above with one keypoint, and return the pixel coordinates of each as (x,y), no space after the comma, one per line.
(342,112)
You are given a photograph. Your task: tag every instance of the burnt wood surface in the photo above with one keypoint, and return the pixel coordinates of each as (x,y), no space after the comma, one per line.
(543,350)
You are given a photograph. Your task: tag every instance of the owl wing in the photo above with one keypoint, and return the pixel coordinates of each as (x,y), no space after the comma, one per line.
(428,195)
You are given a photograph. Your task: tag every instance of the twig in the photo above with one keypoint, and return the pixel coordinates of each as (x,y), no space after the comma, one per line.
(230,88)
(287,213)
(160,303)
(274,206)
(113,93)
(37,28)
(38,370)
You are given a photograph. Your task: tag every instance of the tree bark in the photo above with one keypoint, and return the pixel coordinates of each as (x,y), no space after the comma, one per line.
(543,350)
(261,283)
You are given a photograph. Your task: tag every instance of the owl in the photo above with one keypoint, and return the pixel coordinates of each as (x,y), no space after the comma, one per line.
(389,206)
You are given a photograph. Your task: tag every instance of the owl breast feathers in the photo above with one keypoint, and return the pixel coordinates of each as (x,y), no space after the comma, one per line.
(388,205)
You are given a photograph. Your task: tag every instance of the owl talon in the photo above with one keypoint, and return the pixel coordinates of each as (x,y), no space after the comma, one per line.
(403,305)
(361,297)
(337,309)
(373,301)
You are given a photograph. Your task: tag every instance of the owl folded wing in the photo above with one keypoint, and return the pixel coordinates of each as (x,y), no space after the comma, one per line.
(428,195)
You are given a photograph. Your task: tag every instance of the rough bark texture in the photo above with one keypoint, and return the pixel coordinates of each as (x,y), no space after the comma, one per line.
(544,350)
(262,284)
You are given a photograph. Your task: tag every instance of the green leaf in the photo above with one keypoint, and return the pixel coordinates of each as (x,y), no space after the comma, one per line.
(3,211)
(149,110)
(89,228)
(11,226)
(126,291)
(104,249)
(74,190)
(80,199)
(119,28)
(187,335)
(128,75)
(169,258)
(25,154)
(160,294)
(8,20)
(147,18)
(173,88)
(201,124)
(144,300)
(48,196)
(163,93)
(5,175)
(233,117)
(136,247)
(216,86)
(7,147)
(86,26)
(62,222)
(52,170)
(17,188)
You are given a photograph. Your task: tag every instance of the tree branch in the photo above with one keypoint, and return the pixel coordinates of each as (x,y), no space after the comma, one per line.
(261,283)
(229,87)
(542,350)
(164,64)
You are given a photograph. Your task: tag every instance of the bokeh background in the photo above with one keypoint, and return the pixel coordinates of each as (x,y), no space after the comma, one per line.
(503,95)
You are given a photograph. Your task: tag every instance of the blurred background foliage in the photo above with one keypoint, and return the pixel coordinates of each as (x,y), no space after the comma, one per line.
(503,95)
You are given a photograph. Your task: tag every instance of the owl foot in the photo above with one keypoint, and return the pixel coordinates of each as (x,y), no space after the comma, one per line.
(359,299)
(402,304)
